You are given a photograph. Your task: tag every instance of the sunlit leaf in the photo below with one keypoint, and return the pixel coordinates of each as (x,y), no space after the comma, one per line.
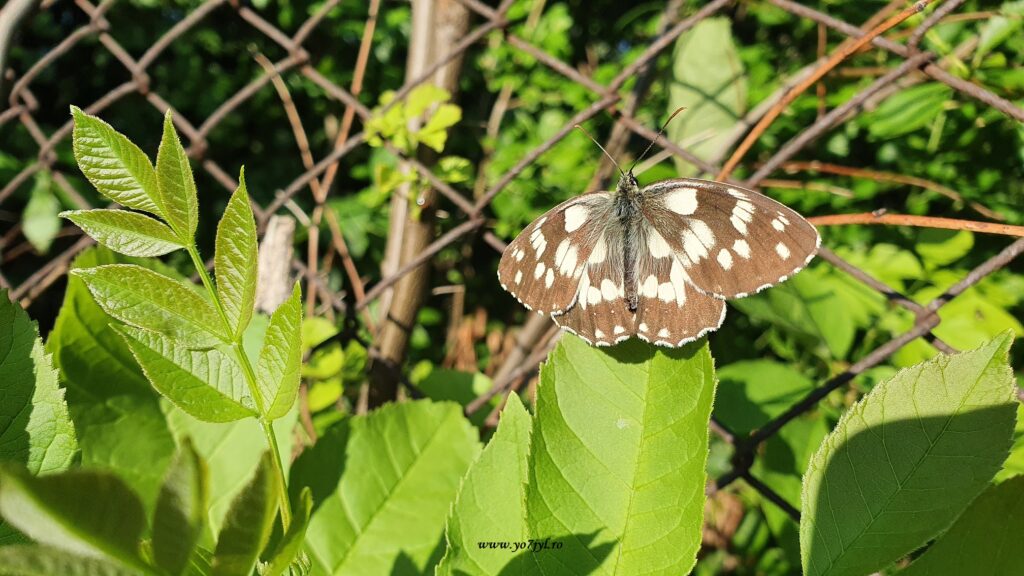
(235,260)
(128,233)
(177,187)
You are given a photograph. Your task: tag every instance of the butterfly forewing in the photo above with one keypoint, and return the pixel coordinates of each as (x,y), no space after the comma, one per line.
(543,266)
(731,241)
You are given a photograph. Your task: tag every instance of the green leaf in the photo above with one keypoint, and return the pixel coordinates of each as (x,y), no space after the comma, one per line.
(150,300)
(32,560)
(908,110)
(83,512)
(290,547)
(129,233)
(490,505)
(116,412)
(402,467)
(277,371)
(458,386)
(997,29)
(906,460)
(39,220)
(180,510)
(248,524)
(235,259)
(115,166)
(435,133)
(620,443)
(752,392)
(984,539)
(35,429)
(939,248)
(176,185)
(208,384)
(709,80)
(232,451)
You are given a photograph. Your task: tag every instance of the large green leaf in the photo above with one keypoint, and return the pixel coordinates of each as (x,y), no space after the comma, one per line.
(79,511)
(619,447)
(908,110)
(180,510)
(129,233)
(147,299)
(235,259)
(708,79)
(31,560)
(208,384)
(984,540)
(402,467)
(115,166)
(277,370)
(248,523)
(490,506)
(116,412)
(906,460)
(177,187)
(35,429)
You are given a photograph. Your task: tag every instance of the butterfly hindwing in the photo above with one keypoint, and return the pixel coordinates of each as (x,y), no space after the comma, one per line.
(542,267)
(731,241)
(600,314)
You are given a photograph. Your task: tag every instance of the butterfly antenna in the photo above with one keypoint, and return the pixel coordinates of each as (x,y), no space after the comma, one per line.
(609,156)
(660,134)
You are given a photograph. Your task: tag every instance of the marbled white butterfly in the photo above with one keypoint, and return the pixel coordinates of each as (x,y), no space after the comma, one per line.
(656,262)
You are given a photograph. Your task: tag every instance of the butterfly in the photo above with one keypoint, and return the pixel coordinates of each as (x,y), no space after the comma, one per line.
(656,262)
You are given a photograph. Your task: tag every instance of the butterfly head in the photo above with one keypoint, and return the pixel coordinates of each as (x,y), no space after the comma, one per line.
(628,186)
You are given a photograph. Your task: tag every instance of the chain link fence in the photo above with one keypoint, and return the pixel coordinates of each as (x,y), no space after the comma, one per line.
(537,336)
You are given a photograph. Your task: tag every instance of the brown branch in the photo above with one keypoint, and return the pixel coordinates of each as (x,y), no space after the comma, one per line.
(921,221)
(837,57)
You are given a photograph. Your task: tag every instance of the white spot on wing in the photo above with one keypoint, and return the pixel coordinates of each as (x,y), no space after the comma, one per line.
(608,289)
(600,251)
(618,330)
(742,248)
(737,194)
(549,278)
(539,270)
(678,278)
(598,334)
(783,250)
(643,327)
(738,224)
(778,225)
(650,287)
(663,333)
(743,210)
(519,276)
(682,201)
(575,216)
(725,259)
(584,291)
(657,245)
(593,295)
(666,292)
(703,232)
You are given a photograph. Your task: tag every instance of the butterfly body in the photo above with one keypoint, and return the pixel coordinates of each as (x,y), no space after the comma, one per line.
(655,262)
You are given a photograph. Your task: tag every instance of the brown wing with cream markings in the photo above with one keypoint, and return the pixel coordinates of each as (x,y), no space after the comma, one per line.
(731,241)
(542,267)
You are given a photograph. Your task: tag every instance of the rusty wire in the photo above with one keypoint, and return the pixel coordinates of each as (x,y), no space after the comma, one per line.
(22,104)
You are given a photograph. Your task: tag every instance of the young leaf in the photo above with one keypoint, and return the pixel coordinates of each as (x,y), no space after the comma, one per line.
(490,505)
(235,259)
(32,560)
(176,184)
(180,510)
(129,233)
(984,539)
(115,166)
(248,524)
(150,300)
(82,512)
(290,546)
(277,370)
(35,429)
(618,454)
(208,383)
(39,220)
(403,464)
(116,411)
(906,460)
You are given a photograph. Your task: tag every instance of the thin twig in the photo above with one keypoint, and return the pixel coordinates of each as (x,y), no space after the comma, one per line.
(921,221)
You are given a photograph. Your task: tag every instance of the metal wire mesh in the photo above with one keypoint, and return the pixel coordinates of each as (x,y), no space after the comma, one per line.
(22,105)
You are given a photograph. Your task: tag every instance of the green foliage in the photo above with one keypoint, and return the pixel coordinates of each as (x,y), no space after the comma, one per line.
(423,117)
(128,233)
(893,473)
(980,542)
(39,220)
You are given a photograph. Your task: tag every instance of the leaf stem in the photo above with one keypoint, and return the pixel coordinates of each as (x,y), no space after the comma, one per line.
(250,377)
